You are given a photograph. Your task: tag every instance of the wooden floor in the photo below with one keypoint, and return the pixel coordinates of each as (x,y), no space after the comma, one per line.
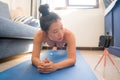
(91,56)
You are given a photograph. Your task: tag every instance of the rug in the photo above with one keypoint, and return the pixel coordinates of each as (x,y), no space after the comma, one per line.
(26,71)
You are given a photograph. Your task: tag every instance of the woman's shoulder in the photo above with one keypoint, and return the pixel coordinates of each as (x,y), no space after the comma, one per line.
(69,36)
(68,32)
(40,34)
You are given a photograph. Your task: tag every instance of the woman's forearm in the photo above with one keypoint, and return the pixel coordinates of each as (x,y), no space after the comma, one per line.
(65,63)
(35,61)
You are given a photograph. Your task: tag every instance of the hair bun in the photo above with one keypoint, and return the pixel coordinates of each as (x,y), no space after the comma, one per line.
(44,9)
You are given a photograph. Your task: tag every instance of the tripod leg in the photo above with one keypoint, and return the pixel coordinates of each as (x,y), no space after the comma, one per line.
(105,60)
(99,61)
(112,61)
(104,74)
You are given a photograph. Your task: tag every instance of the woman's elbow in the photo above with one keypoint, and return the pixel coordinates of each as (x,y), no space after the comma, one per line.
(33,59)
(73,61)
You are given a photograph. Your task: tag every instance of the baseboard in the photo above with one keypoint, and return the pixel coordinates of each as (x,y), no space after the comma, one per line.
(89,48)
(78,48)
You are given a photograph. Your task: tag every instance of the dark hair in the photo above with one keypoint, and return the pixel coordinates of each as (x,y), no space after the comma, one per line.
(47,17)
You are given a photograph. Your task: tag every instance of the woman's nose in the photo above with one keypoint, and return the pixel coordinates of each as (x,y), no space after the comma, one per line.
(60,34)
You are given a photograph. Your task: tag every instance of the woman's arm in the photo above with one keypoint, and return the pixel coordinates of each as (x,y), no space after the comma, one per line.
(38,38)
(71,48)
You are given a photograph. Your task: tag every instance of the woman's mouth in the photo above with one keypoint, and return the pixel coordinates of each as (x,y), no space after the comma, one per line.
(60,39)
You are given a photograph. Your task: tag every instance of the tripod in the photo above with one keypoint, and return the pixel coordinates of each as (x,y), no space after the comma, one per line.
(106,54)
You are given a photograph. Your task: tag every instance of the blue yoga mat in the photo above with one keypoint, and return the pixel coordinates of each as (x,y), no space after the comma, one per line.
(26,71)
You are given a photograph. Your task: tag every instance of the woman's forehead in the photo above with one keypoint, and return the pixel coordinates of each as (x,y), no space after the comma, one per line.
(55,25)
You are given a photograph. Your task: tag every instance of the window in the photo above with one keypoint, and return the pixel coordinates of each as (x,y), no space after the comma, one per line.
(62,4)
(83,3)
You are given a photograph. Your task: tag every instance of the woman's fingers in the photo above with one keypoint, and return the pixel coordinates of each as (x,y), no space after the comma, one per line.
(40,67)
(46,60)
(45,70)
(46,66)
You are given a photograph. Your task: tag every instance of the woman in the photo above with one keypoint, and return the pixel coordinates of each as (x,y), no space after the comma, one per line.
(52,33)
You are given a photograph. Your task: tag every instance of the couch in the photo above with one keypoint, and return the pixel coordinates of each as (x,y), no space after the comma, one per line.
(15,38)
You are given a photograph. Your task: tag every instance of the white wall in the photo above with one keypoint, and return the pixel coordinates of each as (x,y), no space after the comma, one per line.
(86,24)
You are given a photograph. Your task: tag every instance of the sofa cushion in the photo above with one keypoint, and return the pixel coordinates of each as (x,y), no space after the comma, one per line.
(4,10)
(29,20)
(11,29)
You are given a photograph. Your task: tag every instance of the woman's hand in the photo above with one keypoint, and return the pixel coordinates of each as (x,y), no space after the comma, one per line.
(47,66)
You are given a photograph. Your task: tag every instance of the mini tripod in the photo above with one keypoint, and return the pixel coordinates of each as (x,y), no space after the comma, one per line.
(106,54)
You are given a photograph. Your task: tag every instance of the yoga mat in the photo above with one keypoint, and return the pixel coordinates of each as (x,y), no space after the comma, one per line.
(26,71)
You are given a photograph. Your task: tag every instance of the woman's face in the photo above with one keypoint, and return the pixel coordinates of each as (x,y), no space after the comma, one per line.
(56,31)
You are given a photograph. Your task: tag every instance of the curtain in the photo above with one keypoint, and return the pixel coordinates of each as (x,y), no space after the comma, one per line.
(34,8)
